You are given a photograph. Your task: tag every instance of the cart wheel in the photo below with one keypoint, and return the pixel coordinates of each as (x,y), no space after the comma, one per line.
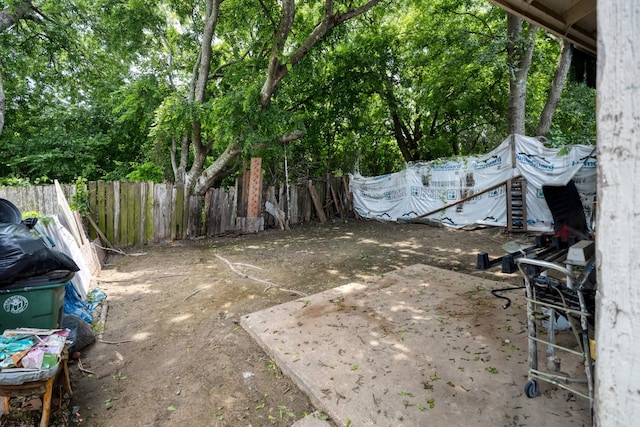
(531,389)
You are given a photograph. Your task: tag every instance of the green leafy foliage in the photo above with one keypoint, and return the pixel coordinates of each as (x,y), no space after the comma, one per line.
(80,199)
(574,121)
(102,89)
(146,171)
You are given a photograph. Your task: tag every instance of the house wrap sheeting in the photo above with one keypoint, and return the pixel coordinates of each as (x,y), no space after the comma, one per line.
(424,187)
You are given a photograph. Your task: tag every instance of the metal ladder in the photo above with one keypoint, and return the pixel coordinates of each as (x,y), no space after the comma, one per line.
(517,205)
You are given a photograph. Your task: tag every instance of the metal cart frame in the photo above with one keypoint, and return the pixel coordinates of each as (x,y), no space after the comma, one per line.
(566,296)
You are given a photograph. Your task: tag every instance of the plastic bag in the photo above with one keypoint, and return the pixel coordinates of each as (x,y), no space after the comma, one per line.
(73,304)
(23,255)
(80,333)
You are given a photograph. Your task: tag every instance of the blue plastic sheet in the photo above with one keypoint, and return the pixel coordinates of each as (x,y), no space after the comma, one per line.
(73,304)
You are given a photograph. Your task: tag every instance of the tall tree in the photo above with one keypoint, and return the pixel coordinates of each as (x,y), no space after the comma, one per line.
(64,68)
(520,44)
(415,80)
(430,77)
(10,15)
(557,85)
(215,86)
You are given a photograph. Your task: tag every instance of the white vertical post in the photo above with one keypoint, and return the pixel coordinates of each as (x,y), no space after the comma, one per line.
(617,392)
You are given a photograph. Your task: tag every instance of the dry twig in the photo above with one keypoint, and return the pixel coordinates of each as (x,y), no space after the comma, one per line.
(118,251)
(200,290)
(266,282)
(82,369)
(114,342)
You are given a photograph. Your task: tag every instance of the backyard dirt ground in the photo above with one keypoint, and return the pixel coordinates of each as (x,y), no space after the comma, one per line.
(172,351)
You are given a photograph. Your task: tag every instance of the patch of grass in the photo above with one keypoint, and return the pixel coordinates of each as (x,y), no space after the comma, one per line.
(473,291)
(274,369)
(97,327)
(284,412)
(119,376)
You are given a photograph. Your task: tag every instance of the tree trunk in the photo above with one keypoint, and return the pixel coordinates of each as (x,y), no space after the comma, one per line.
(211,21)
(276,70)
(10,15)
(199,180)
(400,138)
(209,175)
(557,85)
(197,96)
(617,336)
(520,51)
(218,168)
(407,139)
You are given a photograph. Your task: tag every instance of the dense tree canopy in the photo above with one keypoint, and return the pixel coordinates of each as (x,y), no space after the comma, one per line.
(184,91)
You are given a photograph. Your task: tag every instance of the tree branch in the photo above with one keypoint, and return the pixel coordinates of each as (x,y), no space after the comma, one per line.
(216,73)
(213,10)
(209,175)
(265,282)
(10,15)
(167,45)
(285,139)
(277,70)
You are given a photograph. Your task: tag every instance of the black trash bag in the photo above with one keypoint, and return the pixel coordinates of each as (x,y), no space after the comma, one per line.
(23,255)
(9,212)
(80,333)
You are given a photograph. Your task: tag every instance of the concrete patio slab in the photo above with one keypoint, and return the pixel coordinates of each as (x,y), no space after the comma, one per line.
(421,346)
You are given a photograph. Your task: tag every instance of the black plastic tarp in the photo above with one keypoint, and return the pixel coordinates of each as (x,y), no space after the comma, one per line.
(567,211)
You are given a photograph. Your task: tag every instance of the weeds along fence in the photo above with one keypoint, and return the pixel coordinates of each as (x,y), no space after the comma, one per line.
(138,213)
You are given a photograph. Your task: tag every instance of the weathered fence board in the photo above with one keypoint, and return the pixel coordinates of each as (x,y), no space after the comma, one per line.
(135,214)
(39,198)
(194,222)
(113,212)
(162,207)
(177,213)
(148,235)
(220,211)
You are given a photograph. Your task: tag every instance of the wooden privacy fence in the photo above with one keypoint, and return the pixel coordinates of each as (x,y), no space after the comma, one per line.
(38,198)
(137,213)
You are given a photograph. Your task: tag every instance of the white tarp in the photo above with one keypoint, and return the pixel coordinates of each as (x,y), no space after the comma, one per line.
(62,240)
(424,187)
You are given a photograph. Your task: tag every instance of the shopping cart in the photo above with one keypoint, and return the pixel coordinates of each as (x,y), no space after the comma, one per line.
(555,294)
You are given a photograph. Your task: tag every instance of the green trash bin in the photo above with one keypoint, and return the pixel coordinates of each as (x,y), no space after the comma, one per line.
(34,303)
